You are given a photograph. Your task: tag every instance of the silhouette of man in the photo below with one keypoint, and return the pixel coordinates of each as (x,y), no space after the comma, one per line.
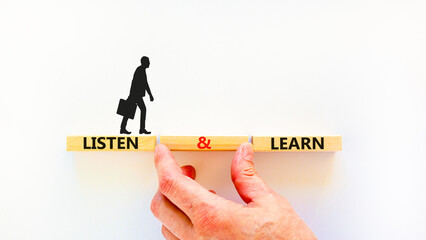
(137,92)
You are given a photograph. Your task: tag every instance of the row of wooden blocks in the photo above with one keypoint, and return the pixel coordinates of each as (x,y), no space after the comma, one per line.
(205,143)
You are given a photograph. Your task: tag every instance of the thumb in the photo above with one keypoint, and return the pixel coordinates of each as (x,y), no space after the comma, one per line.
(246,180)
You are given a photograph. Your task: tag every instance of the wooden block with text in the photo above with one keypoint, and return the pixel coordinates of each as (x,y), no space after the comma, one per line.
(297,144)
(203,143)
(111,143)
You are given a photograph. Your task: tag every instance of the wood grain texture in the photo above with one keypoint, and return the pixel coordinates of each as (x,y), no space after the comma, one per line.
(111,143)
(297,143)
(190,143)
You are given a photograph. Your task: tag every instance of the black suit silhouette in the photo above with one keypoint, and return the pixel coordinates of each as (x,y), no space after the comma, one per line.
(137,92)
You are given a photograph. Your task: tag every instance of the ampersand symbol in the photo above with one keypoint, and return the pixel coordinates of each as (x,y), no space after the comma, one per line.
(202,144)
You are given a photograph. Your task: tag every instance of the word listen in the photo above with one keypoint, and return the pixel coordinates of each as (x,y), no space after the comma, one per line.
(111,143)
(293,143)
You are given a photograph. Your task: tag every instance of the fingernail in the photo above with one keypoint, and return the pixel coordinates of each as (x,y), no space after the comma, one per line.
(240,150)
(157,148)
(247,152)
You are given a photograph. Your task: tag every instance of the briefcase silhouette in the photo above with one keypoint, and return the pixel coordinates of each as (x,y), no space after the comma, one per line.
(126,108)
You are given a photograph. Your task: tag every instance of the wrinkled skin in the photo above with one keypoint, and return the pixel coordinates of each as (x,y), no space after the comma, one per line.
(189,211)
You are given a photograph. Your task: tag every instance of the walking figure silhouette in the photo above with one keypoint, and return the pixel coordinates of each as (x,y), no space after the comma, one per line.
(137,92)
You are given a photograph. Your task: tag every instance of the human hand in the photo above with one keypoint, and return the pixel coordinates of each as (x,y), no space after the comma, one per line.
(189,211)
(151,98)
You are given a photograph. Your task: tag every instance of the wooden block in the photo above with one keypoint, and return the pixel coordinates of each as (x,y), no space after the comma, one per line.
(298,144)
(203,143)
(111,143)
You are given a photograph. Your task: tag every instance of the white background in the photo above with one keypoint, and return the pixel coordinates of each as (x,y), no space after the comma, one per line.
(350,68)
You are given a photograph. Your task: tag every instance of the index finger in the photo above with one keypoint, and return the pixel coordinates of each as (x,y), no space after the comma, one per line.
(181,190)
